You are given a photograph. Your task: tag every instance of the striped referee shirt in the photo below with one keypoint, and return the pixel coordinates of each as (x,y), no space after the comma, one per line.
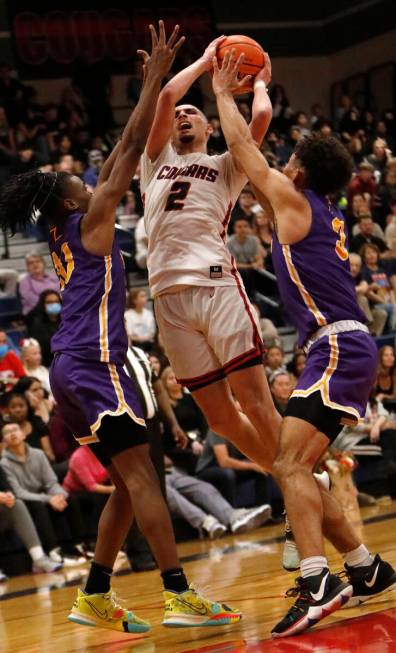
(138,367)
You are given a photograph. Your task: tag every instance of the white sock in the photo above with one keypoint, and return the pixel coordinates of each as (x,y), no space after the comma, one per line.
(313,566)
(36,552)
(359,557)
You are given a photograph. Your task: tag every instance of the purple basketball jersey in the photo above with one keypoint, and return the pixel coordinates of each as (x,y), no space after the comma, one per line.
(313,275)
(93,291)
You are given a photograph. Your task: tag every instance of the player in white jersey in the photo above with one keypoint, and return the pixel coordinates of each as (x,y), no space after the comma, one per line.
(208,326)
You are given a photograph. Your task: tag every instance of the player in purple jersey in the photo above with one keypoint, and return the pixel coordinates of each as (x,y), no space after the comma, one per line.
(97,398)
(310,255)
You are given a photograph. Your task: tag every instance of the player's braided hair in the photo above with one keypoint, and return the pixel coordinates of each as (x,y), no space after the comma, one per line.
(327,163)
(26,196)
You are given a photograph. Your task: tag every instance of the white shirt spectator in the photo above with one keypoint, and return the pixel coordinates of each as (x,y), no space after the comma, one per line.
(141,324)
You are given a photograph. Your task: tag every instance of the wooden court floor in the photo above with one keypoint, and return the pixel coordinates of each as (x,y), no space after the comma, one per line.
(243,571)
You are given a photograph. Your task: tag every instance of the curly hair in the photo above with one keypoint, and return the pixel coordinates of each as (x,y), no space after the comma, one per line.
(327,163)
(25,196)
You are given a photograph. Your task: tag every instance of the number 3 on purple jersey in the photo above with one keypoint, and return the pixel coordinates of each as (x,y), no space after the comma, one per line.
(64,273)
(339,228)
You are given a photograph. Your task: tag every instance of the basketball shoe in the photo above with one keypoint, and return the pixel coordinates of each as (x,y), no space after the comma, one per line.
(104,611)
(189,608)
(317,597)
(290,556)
(371,580)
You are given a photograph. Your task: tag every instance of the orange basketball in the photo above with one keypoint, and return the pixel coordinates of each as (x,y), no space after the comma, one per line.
(254,56)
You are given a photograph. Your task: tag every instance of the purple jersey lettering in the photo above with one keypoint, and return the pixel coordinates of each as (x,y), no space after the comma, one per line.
(313,275)
(93,292)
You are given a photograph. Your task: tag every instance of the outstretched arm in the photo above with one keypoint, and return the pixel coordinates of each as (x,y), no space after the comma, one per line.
(262,107)
(97,226)
(170,95)
(271,185)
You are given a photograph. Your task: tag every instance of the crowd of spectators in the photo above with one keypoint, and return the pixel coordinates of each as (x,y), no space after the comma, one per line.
(51,492)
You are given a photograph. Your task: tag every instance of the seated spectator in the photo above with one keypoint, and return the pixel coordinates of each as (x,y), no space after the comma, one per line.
(127,214)
(18,410)
(11,368)
(262,228)
(225,467)
(246,250)
(190,419)
(386,195)
(44,322)
(8,282)
(385,386)
(390,229)
(139,320)
(202,506)
(366,235)
(376,231)
(216,142)
(32,389)
(274,360)
(141,244)
(95,164)
(296,366)
(376,317)
(15,516)
(35,281)
(243,207)
(379,157)
(268,329)
(89,481)
(281,388)
(55,514)
(301,121)
(360,206)
(363,183)
(7,135)
(31,360)
(380,291)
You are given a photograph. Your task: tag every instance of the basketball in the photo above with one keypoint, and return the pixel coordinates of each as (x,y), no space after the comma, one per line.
(254,56)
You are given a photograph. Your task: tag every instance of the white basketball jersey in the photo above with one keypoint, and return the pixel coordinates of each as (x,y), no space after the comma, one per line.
(188,201)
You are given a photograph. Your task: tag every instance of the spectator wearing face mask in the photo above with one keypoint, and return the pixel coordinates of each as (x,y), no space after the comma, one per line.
(95,163)
(45,322)
(11,368)
(35,281)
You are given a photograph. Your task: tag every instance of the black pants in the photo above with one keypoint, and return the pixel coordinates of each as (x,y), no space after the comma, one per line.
(57,528)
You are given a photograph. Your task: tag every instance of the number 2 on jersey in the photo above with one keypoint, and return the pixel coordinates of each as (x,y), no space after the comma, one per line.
(178,193)
(339,228)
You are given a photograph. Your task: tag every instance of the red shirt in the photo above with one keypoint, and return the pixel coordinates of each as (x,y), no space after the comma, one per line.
(85,471)
(11,368)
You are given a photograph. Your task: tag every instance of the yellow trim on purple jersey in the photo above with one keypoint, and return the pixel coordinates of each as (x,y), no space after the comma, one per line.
(103,314)
(122,407)
(323,384)
(295,277)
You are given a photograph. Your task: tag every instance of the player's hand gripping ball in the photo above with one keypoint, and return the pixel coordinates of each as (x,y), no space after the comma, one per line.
(253,62)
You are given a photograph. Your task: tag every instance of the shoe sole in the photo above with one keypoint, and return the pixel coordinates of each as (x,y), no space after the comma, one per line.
(355,601)
(189,621)
(254,522)
(317,613)
(83,620)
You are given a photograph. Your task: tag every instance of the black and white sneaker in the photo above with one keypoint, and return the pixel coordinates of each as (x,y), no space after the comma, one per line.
(370,581)
(318,596)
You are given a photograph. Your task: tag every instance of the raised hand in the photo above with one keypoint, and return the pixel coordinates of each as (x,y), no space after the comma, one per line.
(210,52)
(225,79)
(159,62)
(265,74)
